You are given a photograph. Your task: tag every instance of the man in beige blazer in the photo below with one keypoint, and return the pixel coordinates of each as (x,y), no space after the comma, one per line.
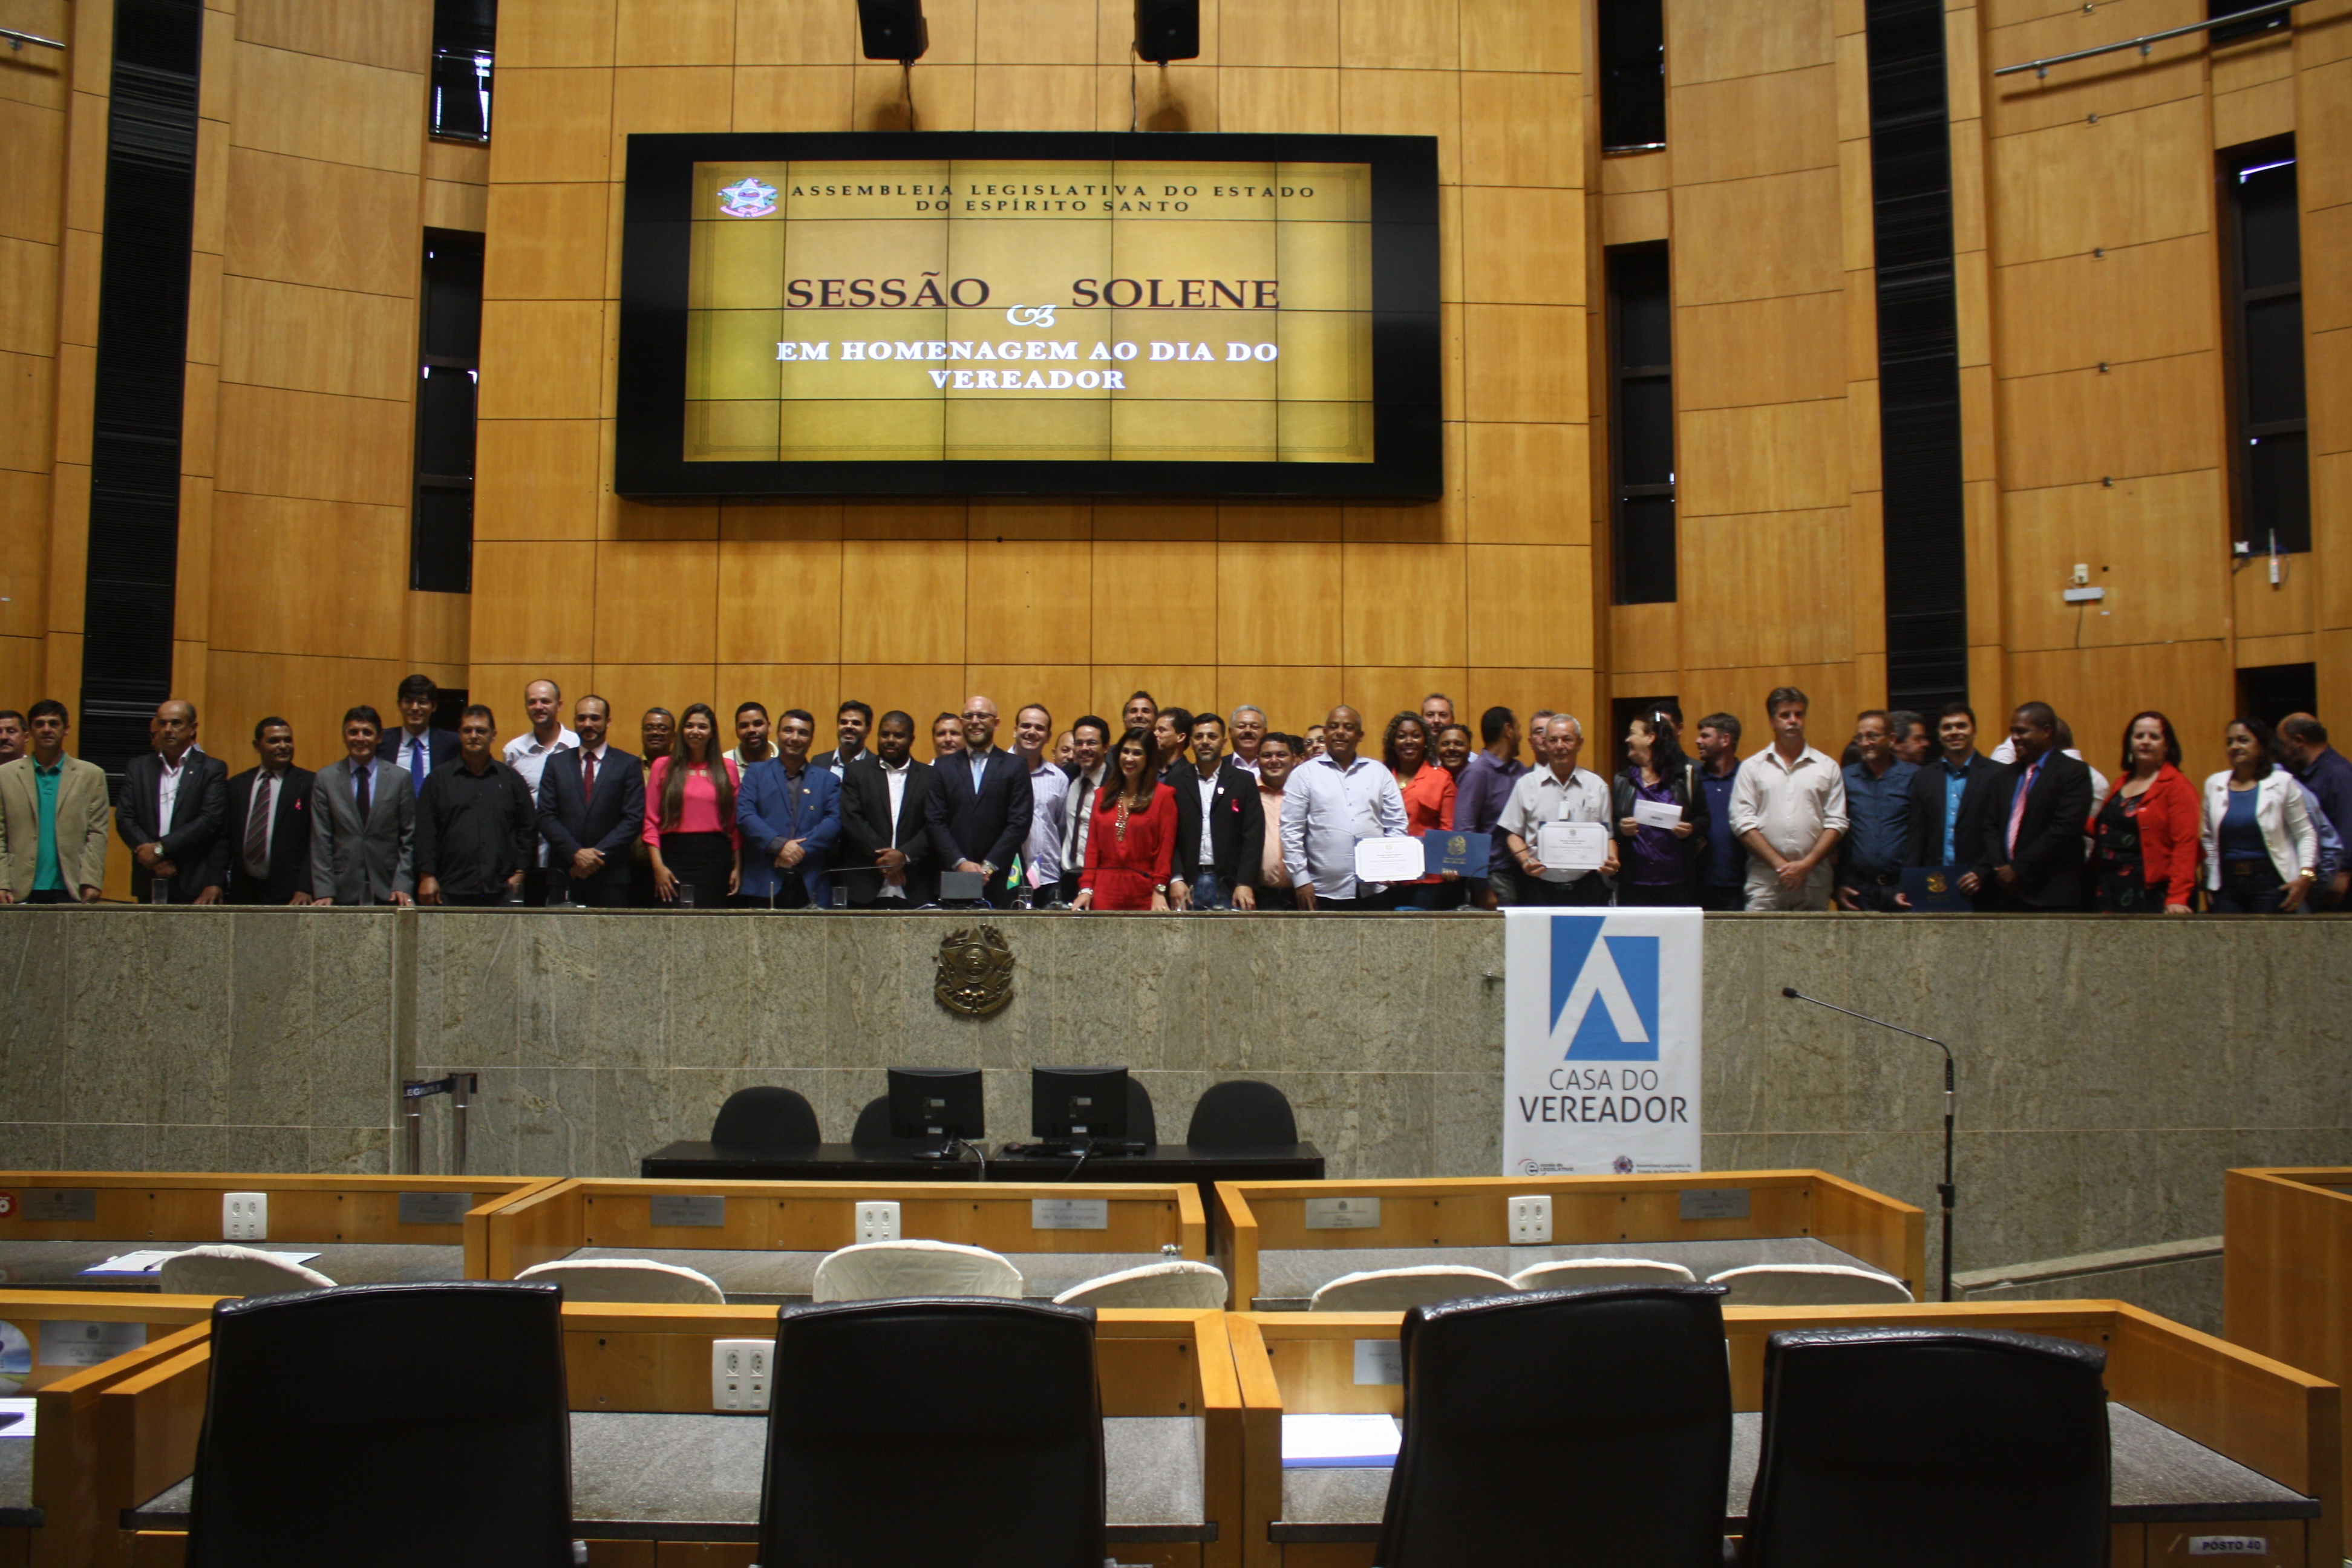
(66,863)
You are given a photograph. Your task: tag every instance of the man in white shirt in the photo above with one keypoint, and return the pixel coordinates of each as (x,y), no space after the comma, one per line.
(1090,751)
(527,754)
(1331,804)
(1788,806)
(1049,787)
(1559,790)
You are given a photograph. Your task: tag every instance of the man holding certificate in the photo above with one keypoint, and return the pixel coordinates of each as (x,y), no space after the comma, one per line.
(1332,804)
(1556,825)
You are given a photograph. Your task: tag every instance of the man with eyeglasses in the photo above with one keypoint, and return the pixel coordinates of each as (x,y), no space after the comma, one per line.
(981,803)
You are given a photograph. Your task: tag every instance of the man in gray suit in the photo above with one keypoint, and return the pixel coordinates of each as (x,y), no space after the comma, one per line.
(363,823)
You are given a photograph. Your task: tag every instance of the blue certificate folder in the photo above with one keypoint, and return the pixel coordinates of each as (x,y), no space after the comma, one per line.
(1936,887)
(1465,854)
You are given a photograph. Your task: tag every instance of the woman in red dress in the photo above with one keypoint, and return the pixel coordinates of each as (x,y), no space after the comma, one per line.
(1133,840)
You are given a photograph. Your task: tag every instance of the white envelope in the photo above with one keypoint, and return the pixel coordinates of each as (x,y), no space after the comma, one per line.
(1657,814)
(1389,859)
(1572,845)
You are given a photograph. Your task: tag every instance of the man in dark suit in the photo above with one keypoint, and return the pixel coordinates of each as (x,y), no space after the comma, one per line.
(2034,831)
(1090,758)
(416,745)
(170,809)
(363,823)
(1950,797)
(981,803)
(592,807)
(1222,796)
(886,823)
(263,853)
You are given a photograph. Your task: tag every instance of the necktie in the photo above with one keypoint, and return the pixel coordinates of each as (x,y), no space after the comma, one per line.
(359,793)
(587,775)
(417,763)
(2017,807)
(256,827)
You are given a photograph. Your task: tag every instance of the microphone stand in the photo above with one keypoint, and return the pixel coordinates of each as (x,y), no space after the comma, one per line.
(1944,1190)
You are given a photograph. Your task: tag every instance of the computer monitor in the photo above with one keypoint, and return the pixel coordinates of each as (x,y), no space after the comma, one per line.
(1078,1102)
(939,1105)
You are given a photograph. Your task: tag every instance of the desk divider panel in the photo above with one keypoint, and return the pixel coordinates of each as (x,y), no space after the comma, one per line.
(141,1206)
(2286,1268)
(2273,1419)
(1474,1211)
(821,1217)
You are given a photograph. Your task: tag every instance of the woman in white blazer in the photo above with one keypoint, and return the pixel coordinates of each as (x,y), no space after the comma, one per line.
(2261,852)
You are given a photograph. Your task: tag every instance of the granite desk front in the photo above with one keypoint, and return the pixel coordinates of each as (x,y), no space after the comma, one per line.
(638,1477)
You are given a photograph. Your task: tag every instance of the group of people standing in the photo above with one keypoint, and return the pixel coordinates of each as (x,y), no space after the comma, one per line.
(1174,810)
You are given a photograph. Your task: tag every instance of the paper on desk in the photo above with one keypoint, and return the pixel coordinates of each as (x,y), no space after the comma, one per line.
(1657,814)
(24,1407)
(1572,845)
(1337,1442)
(148,1262)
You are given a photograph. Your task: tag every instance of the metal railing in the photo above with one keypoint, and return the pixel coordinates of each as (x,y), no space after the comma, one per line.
(2147,41)
(17,40)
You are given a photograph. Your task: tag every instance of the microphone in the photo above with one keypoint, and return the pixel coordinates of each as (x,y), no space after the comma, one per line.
(1944,1190)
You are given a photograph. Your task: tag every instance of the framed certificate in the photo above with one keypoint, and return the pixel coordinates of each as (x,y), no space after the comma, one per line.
(1389,860)
(1572,845)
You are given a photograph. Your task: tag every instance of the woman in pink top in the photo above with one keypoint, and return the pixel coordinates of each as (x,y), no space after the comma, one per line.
(690,830)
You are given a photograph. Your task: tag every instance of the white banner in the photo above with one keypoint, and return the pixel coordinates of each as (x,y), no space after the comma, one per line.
(1600,1041)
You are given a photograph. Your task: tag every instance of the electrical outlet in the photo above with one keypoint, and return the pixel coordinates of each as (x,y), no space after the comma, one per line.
(1530,1219)
(245,1216)
(877,1222)
(739,1374)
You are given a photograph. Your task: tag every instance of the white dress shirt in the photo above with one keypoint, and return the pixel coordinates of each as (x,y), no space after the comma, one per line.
(1326,811)
(1208,793)
(526,756)
(167,788)
(414,754)
(1542,796)
(1048,786)
(895,779)
(1792,804)
(1081,807)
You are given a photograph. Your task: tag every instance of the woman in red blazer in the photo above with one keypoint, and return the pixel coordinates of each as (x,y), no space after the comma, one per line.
(2144,835)
(1132,841)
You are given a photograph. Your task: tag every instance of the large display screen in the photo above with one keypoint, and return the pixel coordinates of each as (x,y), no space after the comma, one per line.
(1030,313)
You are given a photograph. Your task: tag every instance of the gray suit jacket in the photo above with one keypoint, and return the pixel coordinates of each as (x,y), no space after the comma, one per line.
(353,862)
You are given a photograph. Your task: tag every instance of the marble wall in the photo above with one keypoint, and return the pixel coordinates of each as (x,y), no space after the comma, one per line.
(2110,1070)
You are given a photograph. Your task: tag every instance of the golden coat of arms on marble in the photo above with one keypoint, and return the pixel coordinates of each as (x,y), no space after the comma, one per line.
(975,973)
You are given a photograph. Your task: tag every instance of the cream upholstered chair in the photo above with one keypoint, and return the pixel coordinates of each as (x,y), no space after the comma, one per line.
(225,1271)
(875,1271)
(1179,1283)
(638,1280)
(1397,1289)
(1563,1273)
(1807,1285)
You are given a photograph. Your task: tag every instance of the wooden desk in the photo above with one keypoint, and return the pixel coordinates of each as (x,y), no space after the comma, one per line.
(362,1220)
(655,1474)
(2286,1267)
(2209,1439)
(1610,1214)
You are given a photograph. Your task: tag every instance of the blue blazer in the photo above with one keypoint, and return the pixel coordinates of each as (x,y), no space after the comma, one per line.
(989,826)
(770,808)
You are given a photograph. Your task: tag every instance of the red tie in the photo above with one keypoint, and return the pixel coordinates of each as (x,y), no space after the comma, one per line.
(588,775)
(2016,807)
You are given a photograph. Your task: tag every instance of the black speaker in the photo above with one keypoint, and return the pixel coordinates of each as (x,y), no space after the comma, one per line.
(1168,30)
(893,30)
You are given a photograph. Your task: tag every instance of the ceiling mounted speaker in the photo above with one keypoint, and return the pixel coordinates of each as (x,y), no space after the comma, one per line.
(1168,30)
(893,30)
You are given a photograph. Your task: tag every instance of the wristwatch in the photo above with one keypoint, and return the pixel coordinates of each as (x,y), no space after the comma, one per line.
(1160,886)
(988,868)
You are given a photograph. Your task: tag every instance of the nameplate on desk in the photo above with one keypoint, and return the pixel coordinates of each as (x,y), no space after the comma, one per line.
(69,1342)
(437,1208)
(1379,1361)
(1464,854)
(1343,1214)
(2229,1546)
(680,1210)
(1069,1214)
(60,1204)
(1714,1202)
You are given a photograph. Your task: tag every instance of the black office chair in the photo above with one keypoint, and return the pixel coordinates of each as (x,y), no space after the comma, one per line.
(765,1118)
(385,1425)
(1930,1446)
(1142,1125)
(873,1128)
(1242,1111)
(1563,1426)
(943,1430)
